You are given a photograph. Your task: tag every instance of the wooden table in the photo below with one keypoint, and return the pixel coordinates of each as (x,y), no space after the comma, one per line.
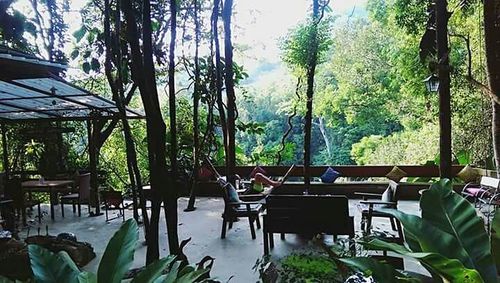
(48,186)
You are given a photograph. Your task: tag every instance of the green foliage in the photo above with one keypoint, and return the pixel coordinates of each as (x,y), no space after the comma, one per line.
(449,240)
(296,46)
(406,147)
(308,268)
(117,258)
(495,238)
(119,253)
(381,272)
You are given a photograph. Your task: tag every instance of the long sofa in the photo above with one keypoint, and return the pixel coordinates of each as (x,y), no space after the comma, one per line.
(368,179)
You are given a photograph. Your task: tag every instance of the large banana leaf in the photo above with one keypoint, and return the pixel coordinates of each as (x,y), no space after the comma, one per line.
(430,238)
(381,272)
(495,238)
(153,270)
(454,215)
(5,280)
(451,270)
(192,276)
(119,253)
(48,267)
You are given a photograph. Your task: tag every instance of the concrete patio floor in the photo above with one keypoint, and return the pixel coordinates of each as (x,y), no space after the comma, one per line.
(234,256)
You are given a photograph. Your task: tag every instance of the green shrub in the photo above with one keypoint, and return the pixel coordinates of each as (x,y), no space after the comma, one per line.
(308,268)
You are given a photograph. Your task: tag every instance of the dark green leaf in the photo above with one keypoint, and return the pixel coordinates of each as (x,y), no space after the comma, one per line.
(48,267)
(153,271)
(86,67)
(119,253)
(95,65)
(74,54)
(80,33)
(495,238)
(449,269)
(454,215)
(381,272)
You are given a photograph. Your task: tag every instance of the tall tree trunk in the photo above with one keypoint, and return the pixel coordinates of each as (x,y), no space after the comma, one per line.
(143,73)
(171,196)
(113,50)
(230,94)
(442,16)
(218,78)
(311,70)
(492,45)
(196,102)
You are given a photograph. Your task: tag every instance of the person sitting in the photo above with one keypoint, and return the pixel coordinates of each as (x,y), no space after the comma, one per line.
(263,184)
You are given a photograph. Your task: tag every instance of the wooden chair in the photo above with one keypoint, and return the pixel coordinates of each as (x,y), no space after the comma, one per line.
(7,214)
(14,192)
(370,209)
(236,209)
(76,199)
(307,215)
(113,200)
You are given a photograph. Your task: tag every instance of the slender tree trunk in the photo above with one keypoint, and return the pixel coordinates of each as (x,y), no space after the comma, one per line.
(143,73)
(442,16)
(311,70)
(196,102)
(170,198)
(218,78)
(492,45)
(230,94)
(113,50)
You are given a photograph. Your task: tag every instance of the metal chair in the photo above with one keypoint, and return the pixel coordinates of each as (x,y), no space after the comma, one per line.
(372,209)
(76,199)
(234,209)
(113,200)
(14,192)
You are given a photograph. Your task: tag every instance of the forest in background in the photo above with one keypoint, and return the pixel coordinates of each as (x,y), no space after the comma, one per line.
(370,102)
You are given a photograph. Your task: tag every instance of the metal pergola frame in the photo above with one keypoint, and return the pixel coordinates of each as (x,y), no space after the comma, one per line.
(31,90)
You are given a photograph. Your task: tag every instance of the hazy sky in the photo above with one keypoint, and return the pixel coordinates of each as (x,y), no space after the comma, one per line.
(261,22)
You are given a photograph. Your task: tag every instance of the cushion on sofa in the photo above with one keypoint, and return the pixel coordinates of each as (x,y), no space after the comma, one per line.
(468,174)
(396,174)
(329,176)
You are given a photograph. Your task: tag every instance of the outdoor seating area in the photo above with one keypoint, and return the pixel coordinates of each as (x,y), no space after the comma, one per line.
(249,141)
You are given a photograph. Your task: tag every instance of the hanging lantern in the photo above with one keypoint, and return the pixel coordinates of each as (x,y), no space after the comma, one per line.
(432,83)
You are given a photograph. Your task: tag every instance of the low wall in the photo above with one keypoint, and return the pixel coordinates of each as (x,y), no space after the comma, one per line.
(358,182)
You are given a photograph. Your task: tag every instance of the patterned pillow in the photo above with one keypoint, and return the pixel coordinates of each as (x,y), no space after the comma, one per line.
(396,174)
(256,170)
(468,174)
(329,176)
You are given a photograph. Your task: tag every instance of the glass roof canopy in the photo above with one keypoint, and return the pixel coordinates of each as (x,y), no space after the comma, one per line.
(43,95)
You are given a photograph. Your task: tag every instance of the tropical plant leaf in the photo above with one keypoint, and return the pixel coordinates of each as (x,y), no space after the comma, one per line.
(381,272)
(173,273)
(450,269)
(48,267)
(454,215)
(65,256)
(86,277)
(153,270)
(119,253)
(495,238)
(192,276)
(160,279)
(5,280)
(430,238)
